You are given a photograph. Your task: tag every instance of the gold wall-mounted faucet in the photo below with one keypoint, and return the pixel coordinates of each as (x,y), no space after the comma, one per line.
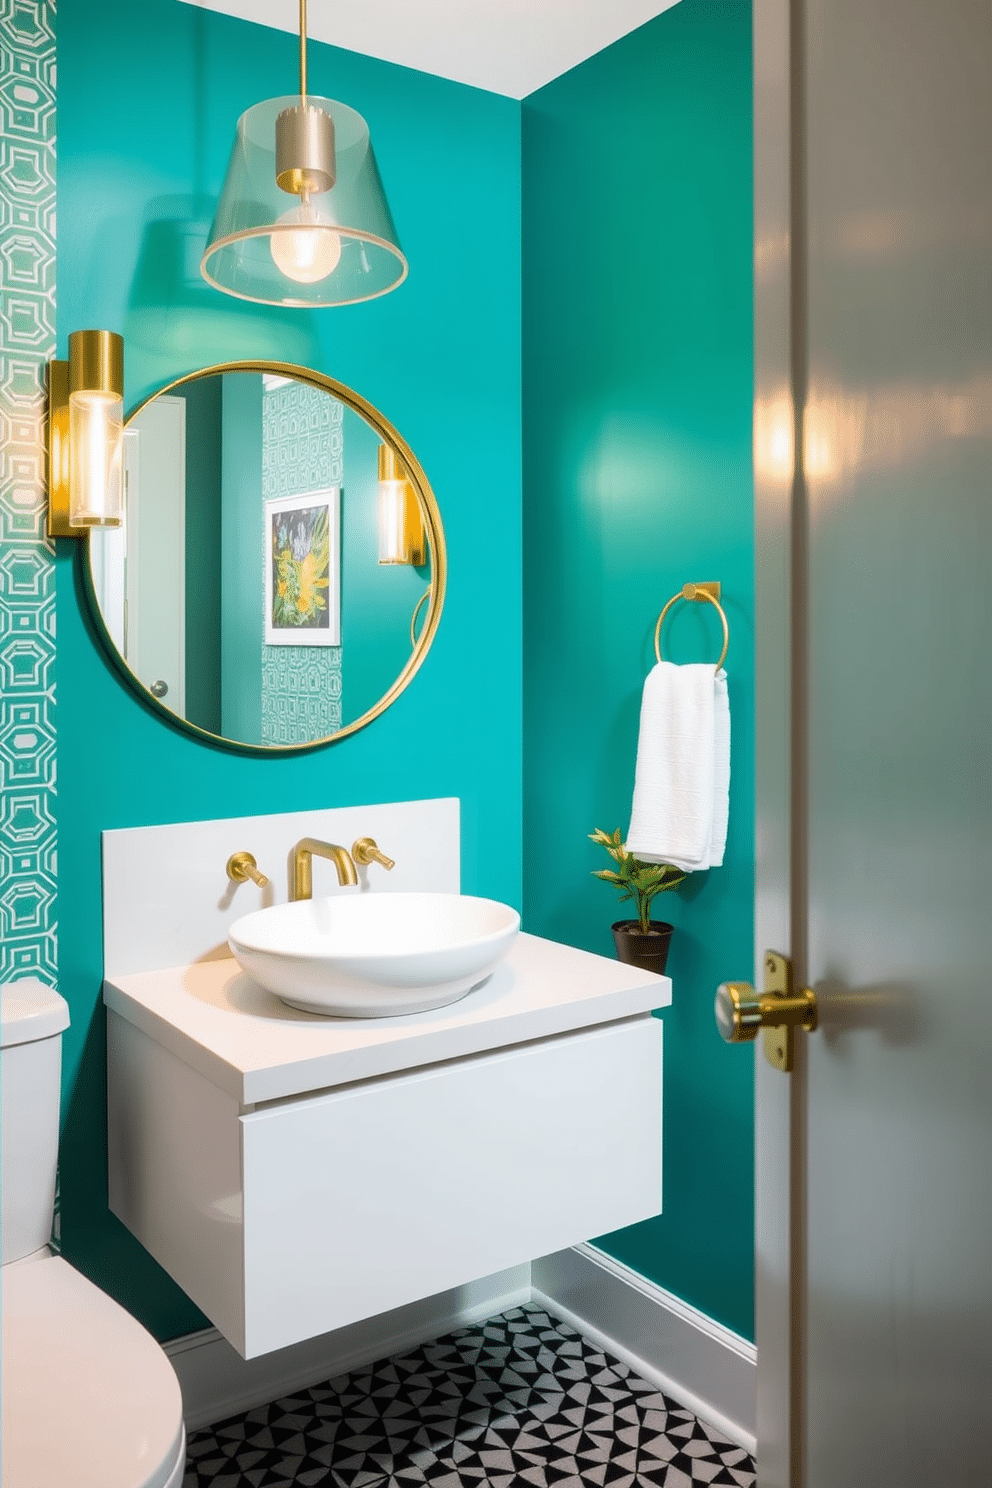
(241,867)
(366,851)
(302,885)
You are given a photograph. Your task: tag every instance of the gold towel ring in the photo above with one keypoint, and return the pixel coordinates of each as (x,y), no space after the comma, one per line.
(413,619)
(710,591)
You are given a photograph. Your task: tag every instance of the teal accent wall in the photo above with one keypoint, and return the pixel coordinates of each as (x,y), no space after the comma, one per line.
(637,478)
(149,96)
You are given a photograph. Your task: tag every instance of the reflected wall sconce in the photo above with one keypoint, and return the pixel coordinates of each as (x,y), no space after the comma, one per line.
(400,521)
(302,217)
(86,435)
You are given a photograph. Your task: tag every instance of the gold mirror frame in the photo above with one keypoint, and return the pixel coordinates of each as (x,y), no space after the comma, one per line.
(435,541)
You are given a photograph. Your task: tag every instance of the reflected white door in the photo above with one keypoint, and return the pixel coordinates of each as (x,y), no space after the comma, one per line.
(154,470)
(108,565)
(873,270)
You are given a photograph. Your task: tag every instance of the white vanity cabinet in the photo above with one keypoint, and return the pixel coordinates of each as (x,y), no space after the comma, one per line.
(295,1174)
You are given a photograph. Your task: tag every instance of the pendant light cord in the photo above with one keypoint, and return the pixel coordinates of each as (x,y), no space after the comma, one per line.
(303,50)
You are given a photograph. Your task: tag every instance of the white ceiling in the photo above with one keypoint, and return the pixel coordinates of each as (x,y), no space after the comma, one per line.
(506,46)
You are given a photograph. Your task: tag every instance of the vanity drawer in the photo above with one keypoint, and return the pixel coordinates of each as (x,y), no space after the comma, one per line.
(371,1196)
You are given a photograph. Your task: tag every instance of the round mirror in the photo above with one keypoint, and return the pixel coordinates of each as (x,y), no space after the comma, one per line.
(280,571)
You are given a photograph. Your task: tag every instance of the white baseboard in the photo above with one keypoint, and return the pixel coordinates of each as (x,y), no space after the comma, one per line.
(216,1382)
(693,1358)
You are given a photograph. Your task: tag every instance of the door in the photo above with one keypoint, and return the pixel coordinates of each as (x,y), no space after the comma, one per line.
(873,468)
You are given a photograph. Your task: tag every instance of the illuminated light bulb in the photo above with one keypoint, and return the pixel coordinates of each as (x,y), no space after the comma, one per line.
(310,254)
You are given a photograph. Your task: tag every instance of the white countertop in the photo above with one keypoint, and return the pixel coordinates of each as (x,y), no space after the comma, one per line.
(244,1040)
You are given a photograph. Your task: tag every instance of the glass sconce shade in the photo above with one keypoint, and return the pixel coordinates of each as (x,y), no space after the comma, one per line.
(400,522)
(325,247)
(96,459)
(96,429)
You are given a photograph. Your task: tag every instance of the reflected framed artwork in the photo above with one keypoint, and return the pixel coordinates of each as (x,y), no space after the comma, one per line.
(303,569)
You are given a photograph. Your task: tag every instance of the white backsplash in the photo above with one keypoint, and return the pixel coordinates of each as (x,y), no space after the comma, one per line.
(167,900)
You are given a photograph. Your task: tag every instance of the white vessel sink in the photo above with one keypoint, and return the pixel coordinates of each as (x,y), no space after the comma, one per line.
(374,955)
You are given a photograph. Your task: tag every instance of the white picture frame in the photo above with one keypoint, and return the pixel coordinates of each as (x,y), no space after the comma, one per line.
(302,583)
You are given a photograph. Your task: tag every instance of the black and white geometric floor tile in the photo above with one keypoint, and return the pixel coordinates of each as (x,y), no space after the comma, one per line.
(519,1400)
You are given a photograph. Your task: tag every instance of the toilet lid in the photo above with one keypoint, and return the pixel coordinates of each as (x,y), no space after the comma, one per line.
(89,1397)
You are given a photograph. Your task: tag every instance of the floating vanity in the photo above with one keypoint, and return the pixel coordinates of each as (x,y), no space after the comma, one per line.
(295,1174)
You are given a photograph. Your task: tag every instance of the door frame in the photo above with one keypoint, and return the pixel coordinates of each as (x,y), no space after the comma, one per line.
(780,363)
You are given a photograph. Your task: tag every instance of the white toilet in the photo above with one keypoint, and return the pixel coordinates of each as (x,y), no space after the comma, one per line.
(90,1400)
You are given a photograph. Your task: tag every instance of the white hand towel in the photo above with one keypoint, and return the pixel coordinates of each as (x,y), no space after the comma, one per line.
(682,776)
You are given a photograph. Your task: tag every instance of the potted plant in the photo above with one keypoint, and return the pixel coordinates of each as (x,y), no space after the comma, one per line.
(642,942)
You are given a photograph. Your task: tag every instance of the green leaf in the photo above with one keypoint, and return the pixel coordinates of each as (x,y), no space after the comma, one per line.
(634,878)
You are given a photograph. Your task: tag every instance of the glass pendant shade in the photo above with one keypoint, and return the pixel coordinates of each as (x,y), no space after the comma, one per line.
(319,247)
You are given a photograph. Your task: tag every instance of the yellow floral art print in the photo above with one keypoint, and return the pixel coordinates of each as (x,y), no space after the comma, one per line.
(302,569)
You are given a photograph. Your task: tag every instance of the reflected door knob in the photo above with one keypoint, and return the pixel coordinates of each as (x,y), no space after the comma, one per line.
(741,1011)
(159,689)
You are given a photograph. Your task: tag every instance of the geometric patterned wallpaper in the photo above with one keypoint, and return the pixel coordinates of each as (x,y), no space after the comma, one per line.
(302,451)
(28,865)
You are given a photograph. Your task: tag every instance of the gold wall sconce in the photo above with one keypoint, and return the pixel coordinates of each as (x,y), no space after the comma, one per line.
(86,435)
(400,522)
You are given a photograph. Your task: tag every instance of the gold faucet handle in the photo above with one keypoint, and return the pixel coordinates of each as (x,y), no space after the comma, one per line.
(366,851)
(241,867)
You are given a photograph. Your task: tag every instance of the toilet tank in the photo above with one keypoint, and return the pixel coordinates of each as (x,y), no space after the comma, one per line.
(32,1019)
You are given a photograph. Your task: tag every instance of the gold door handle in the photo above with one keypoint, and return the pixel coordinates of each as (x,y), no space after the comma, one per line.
(741,1011)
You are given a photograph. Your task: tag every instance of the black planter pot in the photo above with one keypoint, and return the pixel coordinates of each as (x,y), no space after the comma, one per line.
(647,952)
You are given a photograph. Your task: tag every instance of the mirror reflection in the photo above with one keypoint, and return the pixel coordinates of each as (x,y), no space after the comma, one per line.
(280,569)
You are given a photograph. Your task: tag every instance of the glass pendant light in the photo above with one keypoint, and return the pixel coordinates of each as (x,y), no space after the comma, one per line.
(303,219)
